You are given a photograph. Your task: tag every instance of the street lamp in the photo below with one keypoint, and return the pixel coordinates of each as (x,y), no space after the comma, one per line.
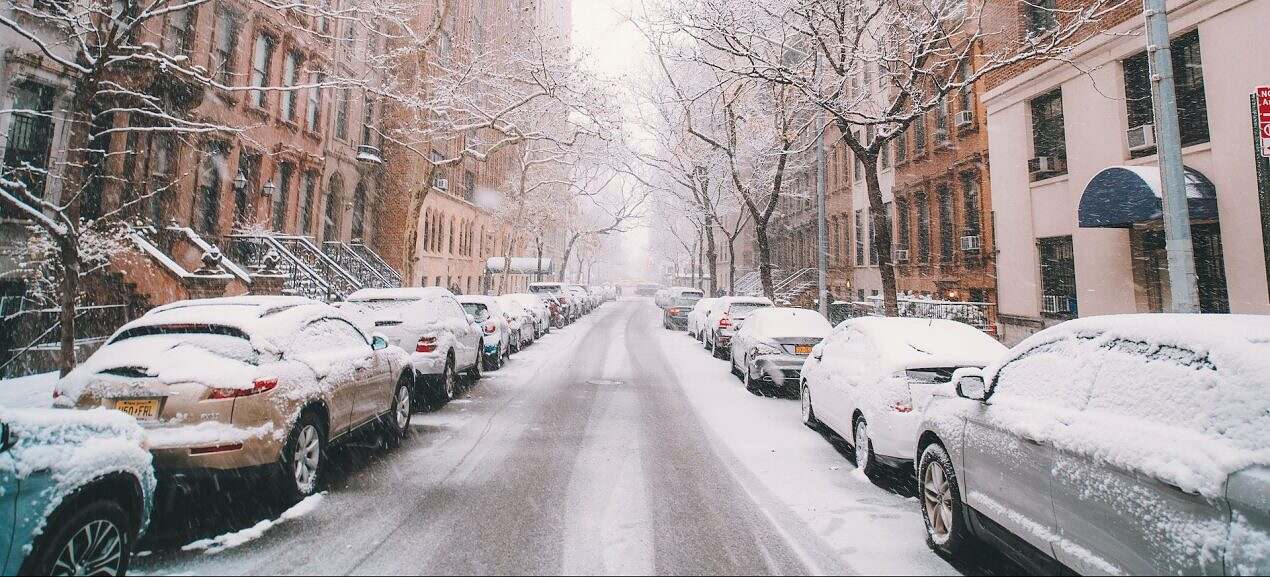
(240,181)
(268,190)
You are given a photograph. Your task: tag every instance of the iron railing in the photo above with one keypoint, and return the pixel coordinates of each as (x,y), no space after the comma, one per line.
(33,337)
(976,314)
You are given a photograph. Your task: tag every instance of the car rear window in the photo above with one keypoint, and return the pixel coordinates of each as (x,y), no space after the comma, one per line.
(744,309)
(224,341)
(478,311)
(180,329)
(383,305)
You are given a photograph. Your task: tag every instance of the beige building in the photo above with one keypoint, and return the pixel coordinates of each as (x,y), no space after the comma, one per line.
(1076,179)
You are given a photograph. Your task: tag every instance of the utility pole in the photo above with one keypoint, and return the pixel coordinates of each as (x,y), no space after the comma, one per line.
(1177,213)
(822,219)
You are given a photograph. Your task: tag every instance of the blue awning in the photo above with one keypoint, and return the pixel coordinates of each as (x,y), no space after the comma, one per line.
(1122,196)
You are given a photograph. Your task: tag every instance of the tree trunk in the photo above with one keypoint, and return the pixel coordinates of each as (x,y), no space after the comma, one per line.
(568,254)
(880,224)
(70,290)
(507,264)
(712,261)
(764,259)
(732,266)
(417,199)
(538,270)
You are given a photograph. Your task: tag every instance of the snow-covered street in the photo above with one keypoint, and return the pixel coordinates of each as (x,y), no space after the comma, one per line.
(613,446)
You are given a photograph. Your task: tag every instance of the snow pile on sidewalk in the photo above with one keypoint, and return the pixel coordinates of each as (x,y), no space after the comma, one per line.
(29,392)
(239,538)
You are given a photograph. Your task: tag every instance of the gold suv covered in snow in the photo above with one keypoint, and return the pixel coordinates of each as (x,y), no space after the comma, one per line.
(252,384)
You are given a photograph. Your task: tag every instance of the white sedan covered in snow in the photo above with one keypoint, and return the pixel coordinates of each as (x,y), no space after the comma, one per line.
(1120,445)
(771,346)
(870,380)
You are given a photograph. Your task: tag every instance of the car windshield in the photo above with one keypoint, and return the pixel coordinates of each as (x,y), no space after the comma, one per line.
(687,301)
(742,310)
(478,311)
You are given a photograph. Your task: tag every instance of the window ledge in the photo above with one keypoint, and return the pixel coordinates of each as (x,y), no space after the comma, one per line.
(1154,158)
(1050,180)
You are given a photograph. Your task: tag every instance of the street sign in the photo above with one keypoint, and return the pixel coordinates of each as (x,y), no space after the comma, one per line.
(1263,115)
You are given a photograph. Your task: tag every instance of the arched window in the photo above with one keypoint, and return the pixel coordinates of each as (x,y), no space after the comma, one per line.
(359,213)
(331,218)
(427,229)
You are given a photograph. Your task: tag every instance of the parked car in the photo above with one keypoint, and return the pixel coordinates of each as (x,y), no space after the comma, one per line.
(675,316)
(667,298)
(443,340)
(647,290)
(1113,445)
(579,296)
(769,349)
(570,310)
(247,385)
(697,318)
(496,323)
(523,324)
(871,379)
(540,310)
(76,491)
(724,316)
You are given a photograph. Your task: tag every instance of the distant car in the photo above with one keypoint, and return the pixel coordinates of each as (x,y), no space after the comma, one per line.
(675,316)
(668,297)
(539,308)
(771,346)
(580,298)
(570,309)
(500,338)
(1131,445)
(431,326)
(647,290)
(526,329)
(247,385)
(76,491)
(871,379)
(697,318)
(724,316)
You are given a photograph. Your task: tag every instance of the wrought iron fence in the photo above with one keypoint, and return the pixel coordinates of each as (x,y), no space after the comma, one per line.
(33,337)
(978,315)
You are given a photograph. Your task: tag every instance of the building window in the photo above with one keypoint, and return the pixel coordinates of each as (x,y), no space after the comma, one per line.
(901,225)
(947,225)
(341,114)
(261,59)
(941,121)
(1048,138)
(313,116)
(178,39)
(438,172)
(923,228)
(290,77)
(970,190)
(901,146)
(859,238)
(249,166)
(210,177)
(966,96)
(1192,104)
(223,46)
(309,194)
(282,196)
(919,135)
(368,120)
(162,176)
(469,185)
(30,140)
(1041,16)
(1058,277)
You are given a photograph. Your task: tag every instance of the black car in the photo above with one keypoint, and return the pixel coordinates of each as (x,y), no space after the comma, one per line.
(675,316)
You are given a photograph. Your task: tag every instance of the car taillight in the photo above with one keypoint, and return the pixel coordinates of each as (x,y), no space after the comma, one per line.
(490,328)
(674,312)
(902,407)
(257,387)
(426,345)
(725,322)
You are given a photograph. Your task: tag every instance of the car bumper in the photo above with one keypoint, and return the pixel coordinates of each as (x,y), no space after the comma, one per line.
(679,323)
(428,363)
(213,446)
(780,370)
(895,436)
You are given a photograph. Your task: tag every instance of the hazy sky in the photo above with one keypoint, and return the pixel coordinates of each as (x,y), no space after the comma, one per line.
(613,46)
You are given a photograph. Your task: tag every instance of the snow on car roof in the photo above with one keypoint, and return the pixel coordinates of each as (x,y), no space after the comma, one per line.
(746,300)
(928,343)
(790,322)
(477,299)
(248,301)
(399,294)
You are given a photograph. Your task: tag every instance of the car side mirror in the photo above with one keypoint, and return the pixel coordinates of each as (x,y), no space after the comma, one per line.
(378,343)
(7,441)
(971,385)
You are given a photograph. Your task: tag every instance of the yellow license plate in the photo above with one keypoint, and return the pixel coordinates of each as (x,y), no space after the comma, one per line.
(140,409)
(802,349)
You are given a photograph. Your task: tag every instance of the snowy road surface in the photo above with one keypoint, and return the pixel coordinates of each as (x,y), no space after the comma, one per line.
(611,447)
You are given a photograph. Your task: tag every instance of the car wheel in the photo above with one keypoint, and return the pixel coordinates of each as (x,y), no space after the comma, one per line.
(736,371)
(304,458)
(397,422)
(865,459)
(91,539)
(707,341)
(942,509)
(751,385)
(808,412)
(719,351)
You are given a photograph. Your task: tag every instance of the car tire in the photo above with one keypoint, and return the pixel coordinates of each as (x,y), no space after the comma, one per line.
(719,351)
(446,387)
(808,411)
(863,447)
(492,363)
(754,387)
(396,423)
(942,508)
(80,529)
(304,459)
(736,371)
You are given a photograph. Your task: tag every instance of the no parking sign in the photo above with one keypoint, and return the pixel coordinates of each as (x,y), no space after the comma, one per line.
(1263,116)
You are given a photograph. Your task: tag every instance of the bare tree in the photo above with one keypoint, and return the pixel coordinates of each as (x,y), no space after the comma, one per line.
(876,67)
